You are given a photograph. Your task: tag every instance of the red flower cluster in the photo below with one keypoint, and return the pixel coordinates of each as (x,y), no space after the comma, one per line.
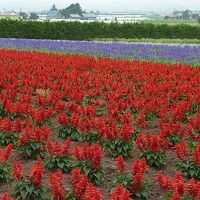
(178,187)
(34,134)
(63,119)
(182,151)
(56,181)
(92,153)
(141,120)
(82,188)
(37,173)
(9,126)
(139,168)
(6,153)
(120,193)
(151,142)
(5,196)
(17,171)
(58,150)
(121,165)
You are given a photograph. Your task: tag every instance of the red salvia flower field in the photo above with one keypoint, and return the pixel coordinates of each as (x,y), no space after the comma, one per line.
(69,124)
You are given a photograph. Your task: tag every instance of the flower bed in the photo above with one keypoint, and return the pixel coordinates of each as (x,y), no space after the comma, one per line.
(76,127)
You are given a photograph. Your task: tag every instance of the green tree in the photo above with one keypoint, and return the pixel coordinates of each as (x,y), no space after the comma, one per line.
(186,14)
(53,7)
(33,16)
(24,15)
(199,20)
(176,12)
(72,9)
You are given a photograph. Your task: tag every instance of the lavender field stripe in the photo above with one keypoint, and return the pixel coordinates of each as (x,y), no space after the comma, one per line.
(187,54)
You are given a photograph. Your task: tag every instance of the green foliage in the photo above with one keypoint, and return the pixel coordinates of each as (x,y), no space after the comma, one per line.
(159,40)
(95,176)
(33,149)
(87,31)
(154,159)
(53,7)
(91,137)
(2,111)
(174,139)
(186,14)
(126,180)
(5,171)
(8,138)
(72,9)
(119,147)
(24,15)
(33,16)
(188,167)
(68,131)
(4,114)
(65,163)
(13,117)
(169,195)
(25,190)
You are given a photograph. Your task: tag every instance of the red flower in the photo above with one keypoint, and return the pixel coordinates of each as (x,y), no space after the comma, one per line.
(91,153)
(196,154)
(139,168)
(121,165)
(165,182)
(193,189)
(120,194)
(92,193)
(182,150)
(56,181)
(5,196)
(37,173)
(63,119)
(141,122)
(6,153)
(17,170)
(79,183)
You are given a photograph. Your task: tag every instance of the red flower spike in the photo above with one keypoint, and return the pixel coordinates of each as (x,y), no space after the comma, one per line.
(120,193)
(57,182)
(5,196)
(93,193)
(182,150)
(17,170)
(37,173)
(121,165)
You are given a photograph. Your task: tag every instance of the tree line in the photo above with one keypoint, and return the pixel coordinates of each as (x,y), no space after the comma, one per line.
(87,31)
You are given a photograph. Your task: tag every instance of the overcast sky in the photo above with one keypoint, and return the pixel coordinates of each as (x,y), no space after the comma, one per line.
(102,5)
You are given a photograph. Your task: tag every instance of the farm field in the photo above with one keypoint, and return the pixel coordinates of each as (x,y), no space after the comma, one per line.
(89,128)
(167,53)
(151,40)
(174,21)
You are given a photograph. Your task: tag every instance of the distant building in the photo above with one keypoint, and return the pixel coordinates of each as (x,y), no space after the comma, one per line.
(196,15)
(171,16)
(42,17)
(54,14)
(89,16)
(11,15)
(74,16)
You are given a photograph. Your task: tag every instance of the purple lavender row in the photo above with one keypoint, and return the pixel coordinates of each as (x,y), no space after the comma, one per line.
(188,54)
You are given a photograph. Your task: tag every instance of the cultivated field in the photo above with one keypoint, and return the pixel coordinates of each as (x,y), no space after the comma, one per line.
(89,128)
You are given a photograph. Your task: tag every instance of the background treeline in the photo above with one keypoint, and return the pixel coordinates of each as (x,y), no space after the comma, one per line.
(87,31)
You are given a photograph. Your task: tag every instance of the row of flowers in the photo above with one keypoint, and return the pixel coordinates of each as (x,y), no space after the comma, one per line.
(188,54)
(125,186)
